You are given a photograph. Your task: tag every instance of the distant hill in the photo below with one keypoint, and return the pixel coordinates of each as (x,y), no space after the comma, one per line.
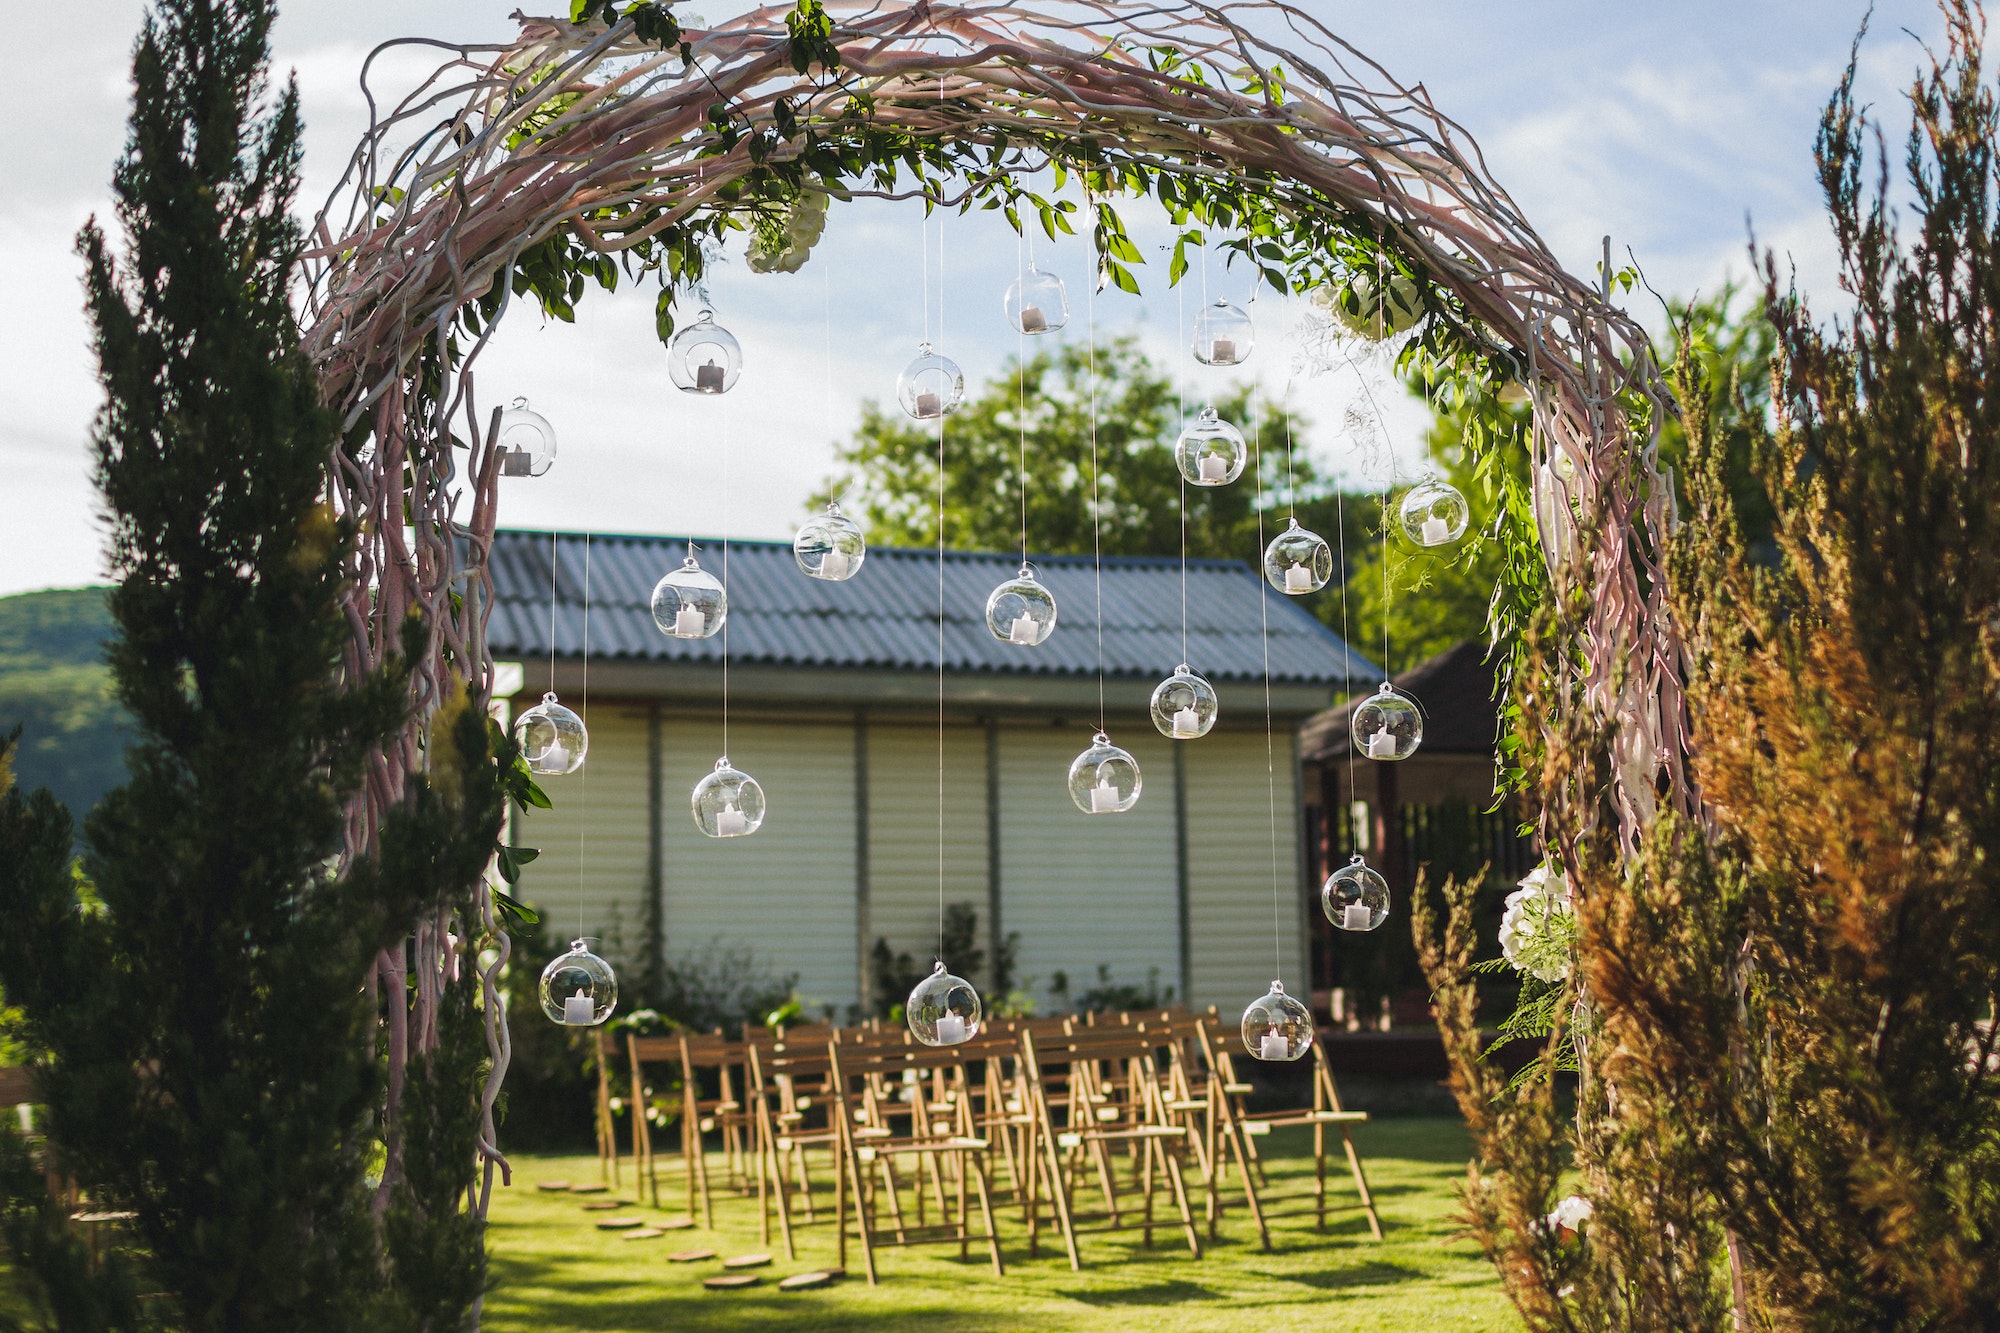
(55,687)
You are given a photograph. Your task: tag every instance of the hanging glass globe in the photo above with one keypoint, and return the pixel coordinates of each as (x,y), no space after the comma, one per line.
(1434,513)
(1035,302)
(1210,452)
(728,803)
(943,1010)
(1277,1027)
(1298,561)
(1356,305)
(704,357)
(579,989)
(1104,780)
(1388,724)
(830,546)
(551,737)
(688,603)
(1223,335)
(1021,610)
(525,443)
(1355,897)
(930,386)
(1184,705)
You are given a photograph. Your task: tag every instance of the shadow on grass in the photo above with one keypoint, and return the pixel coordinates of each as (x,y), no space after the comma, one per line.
(1356,1275)
(1159,1293)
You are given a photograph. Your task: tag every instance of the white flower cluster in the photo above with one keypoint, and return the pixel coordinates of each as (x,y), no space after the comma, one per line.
(1569,1215)
(1537,927)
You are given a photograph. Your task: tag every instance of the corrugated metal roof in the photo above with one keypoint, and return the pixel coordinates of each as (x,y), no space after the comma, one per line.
(886,616)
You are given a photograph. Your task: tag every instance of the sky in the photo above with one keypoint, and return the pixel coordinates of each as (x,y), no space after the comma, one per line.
(1675,129)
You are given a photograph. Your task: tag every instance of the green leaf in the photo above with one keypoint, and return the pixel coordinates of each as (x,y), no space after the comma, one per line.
(507,905)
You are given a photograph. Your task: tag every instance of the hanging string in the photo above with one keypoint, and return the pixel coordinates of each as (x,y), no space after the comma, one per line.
(1096,512)
(583,783)
(1180,424)
(1346,639)
(553,566)
(1270,751)
(726,416)
(940,521)
(1021,411)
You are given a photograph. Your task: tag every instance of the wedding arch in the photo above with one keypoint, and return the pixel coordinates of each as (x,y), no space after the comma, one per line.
(594,151)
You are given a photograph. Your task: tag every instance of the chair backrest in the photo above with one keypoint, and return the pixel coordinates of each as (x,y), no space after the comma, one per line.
(649,1049)
(17,1087)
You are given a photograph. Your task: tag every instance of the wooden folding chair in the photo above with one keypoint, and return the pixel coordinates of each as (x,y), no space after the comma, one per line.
(1238,1128)
(941,1136)
(785,1127)
(607,1124)
(1084,1060)
(724,1114)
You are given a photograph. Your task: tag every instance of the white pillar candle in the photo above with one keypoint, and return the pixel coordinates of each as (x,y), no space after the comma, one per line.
(1187,722)
(708,378)
(26,1115)
(1382,745)
(730,822)
(1355,916)
(1298,579)
(577,1011)
(1214,467)
(689,622)
(928,405)
(1222,351)
(516,463)
(554,759)
(833,565)
(1103,797)
(1024,630)
(1436,532)
(951,1029)
(1274,1046)
(1031,319)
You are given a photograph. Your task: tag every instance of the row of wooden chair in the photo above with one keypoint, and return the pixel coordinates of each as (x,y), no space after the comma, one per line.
(1081,1125)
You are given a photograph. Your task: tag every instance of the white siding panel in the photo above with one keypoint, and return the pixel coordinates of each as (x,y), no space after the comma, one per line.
(1229,870)
(903,836)
(786,891)
(1087,890)
(592,870)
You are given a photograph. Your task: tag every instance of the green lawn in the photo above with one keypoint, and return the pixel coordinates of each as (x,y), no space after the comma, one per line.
(553,1270)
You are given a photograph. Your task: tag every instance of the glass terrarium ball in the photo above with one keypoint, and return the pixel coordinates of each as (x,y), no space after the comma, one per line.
(1223,335)
(525,443)
(551,737)
(1104,780)
(1388,724)
(704,357)
(579,989)
(930,386)
(1434,513)
(688,603)
(1036,303)
(1355,897)
(1210,452)
(1021,611)
(1184,705)
(728,803)
(830,546)
(1277,1027)
(943,1010)
(1298,561)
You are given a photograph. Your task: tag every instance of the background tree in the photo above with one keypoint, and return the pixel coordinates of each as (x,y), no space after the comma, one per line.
(194,995)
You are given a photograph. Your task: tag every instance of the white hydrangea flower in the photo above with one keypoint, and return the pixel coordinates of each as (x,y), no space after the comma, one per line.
(1570,1214)
(1535,930)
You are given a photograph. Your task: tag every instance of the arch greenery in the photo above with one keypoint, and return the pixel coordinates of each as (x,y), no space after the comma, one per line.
(614,146)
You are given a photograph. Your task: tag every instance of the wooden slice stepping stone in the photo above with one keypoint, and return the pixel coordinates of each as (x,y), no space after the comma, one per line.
(747,1261)
(806,1281)
(674,1223)
(605,1205)
(644,1233)
(730,1281)
(689,1256)
(621,1223)
(589,1189)
(553,1186)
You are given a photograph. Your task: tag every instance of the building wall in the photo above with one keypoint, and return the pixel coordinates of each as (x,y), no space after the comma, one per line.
(1081,890)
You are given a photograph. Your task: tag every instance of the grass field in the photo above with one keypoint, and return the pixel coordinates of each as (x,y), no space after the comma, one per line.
(554,1270)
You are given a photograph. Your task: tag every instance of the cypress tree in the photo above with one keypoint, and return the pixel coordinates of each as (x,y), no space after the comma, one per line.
(195,989)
